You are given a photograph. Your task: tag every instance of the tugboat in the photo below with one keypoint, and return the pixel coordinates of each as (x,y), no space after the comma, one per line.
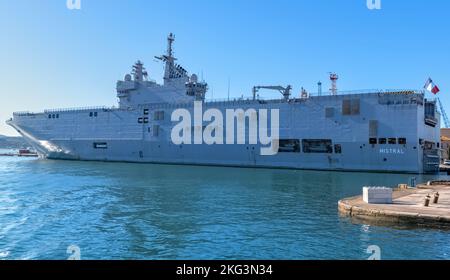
(27,153)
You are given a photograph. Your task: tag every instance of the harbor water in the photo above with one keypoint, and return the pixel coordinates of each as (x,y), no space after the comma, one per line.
(144,211)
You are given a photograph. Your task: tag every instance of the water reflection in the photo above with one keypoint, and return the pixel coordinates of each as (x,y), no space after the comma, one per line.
(139,211)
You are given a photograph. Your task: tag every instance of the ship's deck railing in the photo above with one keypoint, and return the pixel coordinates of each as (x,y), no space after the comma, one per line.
(234,100)
(93,108)
(62,110)
(388,94)
(23,113)
(324,94)
(368,91)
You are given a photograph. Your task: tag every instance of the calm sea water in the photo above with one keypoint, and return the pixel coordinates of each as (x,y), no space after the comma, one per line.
(137,211)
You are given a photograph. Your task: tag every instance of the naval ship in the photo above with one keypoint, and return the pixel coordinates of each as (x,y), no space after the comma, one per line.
(368,131)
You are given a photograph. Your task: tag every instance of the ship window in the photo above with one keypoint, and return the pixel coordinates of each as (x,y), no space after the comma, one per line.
(350,107)
(140,120)
(429,145)
(346,107)
(319,146)
(382,141)
(373,141)
(373,128)
(355,107)
(156,130)
(49,116)
(338,149)
(159,115)
(402,141)
(289,146)
(57,116)
(145,120)
(329,113)
(392,141)
(95,114)
(91,114)
(430,109)
(100,145)
(145,111)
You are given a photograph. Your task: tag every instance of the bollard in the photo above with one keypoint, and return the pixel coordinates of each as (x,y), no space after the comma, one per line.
(436,198)
(413,182)
(426,203)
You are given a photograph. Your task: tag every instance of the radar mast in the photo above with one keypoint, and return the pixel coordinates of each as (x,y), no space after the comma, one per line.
(172,70)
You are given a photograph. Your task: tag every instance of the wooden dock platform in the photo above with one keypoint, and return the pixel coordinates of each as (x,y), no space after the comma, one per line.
(407,208)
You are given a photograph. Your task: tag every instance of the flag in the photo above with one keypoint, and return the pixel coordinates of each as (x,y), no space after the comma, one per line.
(431,87)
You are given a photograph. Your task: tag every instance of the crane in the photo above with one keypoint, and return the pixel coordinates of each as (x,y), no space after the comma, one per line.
(285,91)
(444,114)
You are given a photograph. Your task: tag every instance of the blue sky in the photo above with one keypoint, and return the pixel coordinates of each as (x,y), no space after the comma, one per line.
(52,57)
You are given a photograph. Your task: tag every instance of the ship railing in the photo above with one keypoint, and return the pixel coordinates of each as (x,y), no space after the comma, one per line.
(349,92)
(164,105)
(369,91)
(234,100)
(78,109)
(23,113)
(62,110)
(248,100)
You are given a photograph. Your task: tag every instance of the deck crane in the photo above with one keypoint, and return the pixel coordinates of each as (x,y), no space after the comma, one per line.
(444,114)
(285,91)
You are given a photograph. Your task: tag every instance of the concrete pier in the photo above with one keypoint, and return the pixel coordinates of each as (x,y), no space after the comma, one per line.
(444,169)
(407,207)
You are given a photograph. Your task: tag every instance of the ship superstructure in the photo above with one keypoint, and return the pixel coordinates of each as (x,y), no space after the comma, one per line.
(377,130)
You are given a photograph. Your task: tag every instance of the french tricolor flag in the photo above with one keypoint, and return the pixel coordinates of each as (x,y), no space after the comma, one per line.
(431,87)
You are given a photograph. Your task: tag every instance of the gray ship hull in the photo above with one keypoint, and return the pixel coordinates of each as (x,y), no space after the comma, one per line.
(362,140)
(382,131)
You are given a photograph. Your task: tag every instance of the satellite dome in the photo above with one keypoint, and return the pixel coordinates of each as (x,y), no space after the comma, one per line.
(128,77)
(194,78)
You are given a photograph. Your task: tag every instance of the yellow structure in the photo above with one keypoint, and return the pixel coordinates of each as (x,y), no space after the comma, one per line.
(445,143)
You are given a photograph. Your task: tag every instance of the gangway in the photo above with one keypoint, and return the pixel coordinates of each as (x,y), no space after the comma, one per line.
(444,114)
